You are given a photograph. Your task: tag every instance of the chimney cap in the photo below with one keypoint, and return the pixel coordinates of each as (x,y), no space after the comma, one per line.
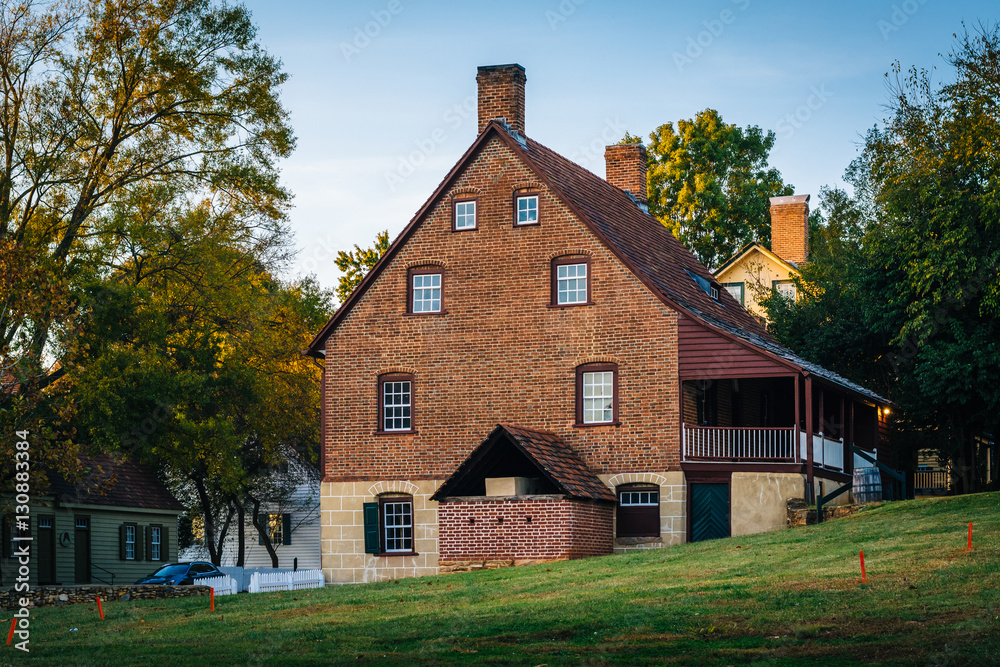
(791,199)
(486,68)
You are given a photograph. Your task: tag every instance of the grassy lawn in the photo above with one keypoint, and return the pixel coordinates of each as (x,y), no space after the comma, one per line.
(792,597)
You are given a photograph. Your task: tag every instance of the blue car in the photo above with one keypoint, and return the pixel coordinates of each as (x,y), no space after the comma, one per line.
(182,574)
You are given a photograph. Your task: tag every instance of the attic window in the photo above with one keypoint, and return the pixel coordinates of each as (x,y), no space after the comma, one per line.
(710,288)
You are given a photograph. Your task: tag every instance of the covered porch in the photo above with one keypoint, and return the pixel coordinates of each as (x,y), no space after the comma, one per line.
(777,419)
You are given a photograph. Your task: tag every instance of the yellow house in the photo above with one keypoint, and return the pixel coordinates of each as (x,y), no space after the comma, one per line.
(755,270)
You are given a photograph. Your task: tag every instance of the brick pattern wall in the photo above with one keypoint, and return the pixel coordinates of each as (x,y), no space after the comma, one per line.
(790,231)
(496,529)
(625,168)
(501,95)
(500,353)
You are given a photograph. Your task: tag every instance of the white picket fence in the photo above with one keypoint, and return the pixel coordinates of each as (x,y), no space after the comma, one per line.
(224,585)
(262,582)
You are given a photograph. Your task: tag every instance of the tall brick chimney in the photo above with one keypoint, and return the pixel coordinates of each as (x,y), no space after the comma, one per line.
(625,168)
(501,95)
(790,228)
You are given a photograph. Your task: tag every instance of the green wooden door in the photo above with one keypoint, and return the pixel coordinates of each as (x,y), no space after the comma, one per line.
(709,511)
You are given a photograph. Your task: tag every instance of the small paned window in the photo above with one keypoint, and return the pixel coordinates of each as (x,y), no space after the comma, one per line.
(526,210)
(396,403)
(597,394)
(155,542)
(465,214)
(571,283)
(785,288)
(427,293)
(389,526)
(736,290)
(130,542)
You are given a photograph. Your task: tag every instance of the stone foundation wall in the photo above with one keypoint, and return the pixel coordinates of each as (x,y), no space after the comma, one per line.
(47,596)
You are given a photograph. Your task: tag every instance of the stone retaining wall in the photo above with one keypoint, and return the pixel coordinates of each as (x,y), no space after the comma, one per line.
(46,596)
(799,514)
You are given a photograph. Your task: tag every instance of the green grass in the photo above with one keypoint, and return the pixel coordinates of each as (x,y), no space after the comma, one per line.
(792,597)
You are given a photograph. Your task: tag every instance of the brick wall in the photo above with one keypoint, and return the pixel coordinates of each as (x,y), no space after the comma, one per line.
(500,353)
(625,168)
(790,228)
(493,529)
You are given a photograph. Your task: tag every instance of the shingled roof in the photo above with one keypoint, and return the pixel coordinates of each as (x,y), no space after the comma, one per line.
(639,240)
(553,458)
(116,482)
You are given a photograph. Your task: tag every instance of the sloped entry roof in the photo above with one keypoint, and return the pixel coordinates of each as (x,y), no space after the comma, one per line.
(553,458)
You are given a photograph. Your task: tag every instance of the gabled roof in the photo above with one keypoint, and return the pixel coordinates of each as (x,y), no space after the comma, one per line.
(649,250)
(746,250)
(638,239)
(553,458)
(115,482)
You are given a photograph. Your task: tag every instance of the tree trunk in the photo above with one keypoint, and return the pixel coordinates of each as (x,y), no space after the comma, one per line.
(262,531)
(222,535)
(241,544)
(206,511)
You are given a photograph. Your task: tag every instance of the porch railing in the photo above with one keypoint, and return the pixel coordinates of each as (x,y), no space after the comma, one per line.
(827,452)
(930,480)
(738,444)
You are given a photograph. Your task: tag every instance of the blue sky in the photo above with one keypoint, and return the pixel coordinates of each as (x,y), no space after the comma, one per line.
(382,92)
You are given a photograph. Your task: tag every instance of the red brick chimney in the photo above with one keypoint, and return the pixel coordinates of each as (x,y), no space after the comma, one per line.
(501,95)
(790,228)
(625,168)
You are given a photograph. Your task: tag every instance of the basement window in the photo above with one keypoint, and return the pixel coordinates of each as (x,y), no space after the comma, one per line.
(389,526)
(638,511)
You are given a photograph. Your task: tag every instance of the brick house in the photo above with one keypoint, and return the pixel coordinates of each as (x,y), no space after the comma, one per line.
(537,370)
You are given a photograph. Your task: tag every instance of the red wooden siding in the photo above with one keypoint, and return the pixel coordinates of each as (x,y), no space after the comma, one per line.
(706,354)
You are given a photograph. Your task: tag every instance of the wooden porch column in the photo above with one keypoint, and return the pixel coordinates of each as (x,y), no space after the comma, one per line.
(809,441)
(848,442)
(797,448)
(843,431)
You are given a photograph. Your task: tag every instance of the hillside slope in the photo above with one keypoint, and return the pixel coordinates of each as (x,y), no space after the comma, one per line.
(791,597)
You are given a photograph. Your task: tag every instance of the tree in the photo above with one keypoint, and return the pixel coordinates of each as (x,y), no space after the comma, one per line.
(709,183)
(357,263)
(923,281)
(103,104)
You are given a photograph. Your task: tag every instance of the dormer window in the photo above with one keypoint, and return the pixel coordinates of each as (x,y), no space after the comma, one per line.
(525,210)
(464,214)
(708,286)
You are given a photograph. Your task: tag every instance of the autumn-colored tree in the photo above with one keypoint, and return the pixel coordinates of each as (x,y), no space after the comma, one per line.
(357,263)
(710,183)
(103,103)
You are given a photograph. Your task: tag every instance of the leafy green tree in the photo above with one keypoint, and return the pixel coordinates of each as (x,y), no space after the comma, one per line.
(357,263)
(919,276)
(709,183)
(103,103)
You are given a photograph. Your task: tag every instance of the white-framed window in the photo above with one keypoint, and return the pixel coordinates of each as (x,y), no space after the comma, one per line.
(639,498)
(598,397)
(397,522)
(155,542)
(465,214)
(129,542)
(275,528)
(736,289)
(426,292)
(397,402)
(527,210)
(571,283)
(785,288)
